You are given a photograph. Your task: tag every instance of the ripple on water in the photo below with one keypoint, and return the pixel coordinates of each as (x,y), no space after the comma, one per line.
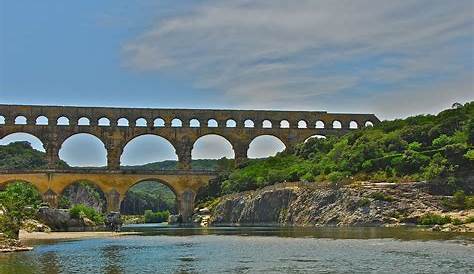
(229,252)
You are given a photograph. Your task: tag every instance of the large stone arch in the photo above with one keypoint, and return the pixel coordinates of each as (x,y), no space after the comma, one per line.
(282,140)
(40,137)
(69,136)
(225,138)
(160,137)
(69,184)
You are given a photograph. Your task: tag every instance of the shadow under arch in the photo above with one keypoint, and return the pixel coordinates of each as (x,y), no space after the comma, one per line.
(76,147)
(207,143)
(159,192)
(76,190)
(144,148)
(265,145)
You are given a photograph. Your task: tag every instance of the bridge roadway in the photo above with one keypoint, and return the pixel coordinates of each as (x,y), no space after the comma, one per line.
(51,183)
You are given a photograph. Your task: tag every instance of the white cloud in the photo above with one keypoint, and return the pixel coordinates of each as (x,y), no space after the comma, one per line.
(292,54)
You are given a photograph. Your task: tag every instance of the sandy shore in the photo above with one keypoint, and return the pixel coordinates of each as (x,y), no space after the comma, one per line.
(25,236)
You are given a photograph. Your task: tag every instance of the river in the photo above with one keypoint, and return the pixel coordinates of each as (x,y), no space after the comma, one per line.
(161,249)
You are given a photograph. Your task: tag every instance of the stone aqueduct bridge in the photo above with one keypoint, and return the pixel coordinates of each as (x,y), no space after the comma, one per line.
(115,127)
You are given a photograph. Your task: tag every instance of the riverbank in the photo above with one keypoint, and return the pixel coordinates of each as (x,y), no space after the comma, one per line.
(35,236)
(361,204)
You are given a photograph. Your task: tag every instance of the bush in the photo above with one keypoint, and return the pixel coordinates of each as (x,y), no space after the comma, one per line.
(459,201)
(381,197)
(363,202)
(18,202)
(156,217)
(80,211)
(434,219)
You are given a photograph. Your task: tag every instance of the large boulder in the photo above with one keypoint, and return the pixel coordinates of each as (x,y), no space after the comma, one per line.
(61,220)
(113,221)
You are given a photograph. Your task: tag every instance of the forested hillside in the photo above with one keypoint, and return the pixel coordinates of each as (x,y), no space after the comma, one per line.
(436,148)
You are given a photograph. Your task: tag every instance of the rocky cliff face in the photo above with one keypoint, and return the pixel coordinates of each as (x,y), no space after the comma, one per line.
(308,204)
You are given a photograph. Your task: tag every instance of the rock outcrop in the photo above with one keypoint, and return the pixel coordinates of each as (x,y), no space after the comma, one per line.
(305,204)
(61,220)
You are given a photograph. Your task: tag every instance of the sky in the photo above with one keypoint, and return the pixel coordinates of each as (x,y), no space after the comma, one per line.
(391,58)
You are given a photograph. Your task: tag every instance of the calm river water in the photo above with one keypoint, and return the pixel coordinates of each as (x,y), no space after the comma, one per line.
(252,250)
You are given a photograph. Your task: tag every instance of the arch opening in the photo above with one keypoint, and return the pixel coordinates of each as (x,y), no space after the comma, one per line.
(319,124)
(122,122)
(284,124)
(62,121)
(369,124)
(176,123)
(150,195)
(42,121)
(83,150)
(231,123)
(159,122)
(103,122)
(211,146)
(337,124)
(194,123)
(302,124)
(20,120)
(317,136)
(212,123)
(83,192)
(24,141)
(249,123)
(265,146)
(266,124)
(140,122)
(148,149)
(83,121)
(353,125)
(2,120)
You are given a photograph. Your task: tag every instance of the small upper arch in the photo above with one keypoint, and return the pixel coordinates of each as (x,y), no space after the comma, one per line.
(319,124)
(353,125)
(62,121)
(368,124)
(140,122)
(336,124)
(21,120)
(302,124)
(249,123)
(176,122)
(83,121)
(212,123)
(231,123)
(104,122)
(284,124)
(122,122)
(194,123)
(42,120)
(158,122)
(266,124)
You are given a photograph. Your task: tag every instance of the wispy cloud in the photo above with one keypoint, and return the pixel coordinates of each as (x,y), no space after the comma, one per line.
(294,54)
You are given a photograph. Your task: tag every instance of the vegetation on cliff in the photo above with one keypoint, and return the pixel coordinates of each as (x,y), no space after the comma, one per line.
(437,148)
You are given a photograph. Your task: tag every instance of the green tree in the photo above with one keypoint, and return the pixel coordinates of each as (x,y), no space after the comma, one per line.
(18,202)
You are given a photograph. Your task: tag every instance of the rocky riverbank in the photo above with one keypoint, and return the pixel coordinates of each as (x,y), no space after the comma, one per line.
(308,204)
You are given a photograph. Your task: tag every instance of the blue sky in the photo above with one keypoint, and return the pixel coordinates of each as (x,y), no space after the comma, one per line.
(391,58)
